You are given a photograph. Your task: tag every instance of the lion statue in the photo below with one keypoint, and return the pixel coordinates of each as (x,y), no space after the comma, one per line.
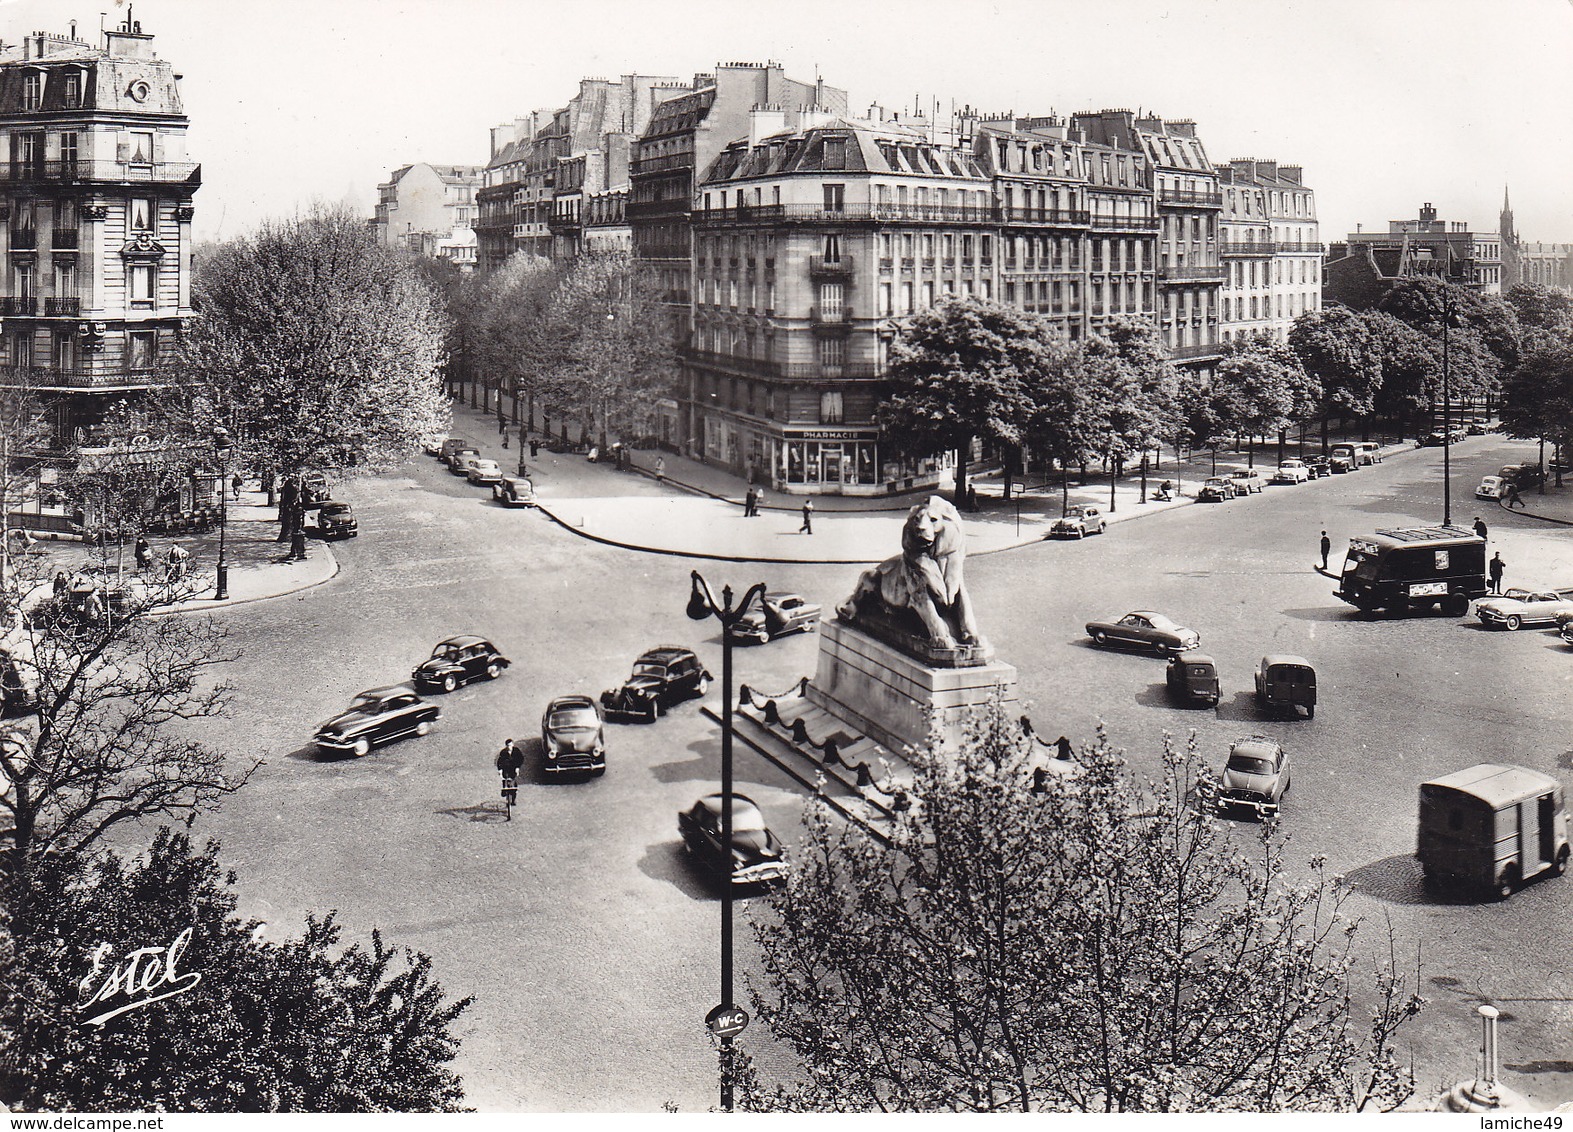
(924,580)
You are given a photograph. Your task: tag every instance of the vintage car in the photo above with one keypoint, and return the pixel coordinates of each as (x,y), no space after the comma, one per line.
(1292,471)
(756,857)
(1214,493)
(572,738)
(1519,607)
(460,463)
(514,491)
(1079,521)
(1490,828)
(1340,462)
(1318,466)
(776,615)
(483,472)
(1193,678)
(336,520)
(1492,487)
(1144,629)
(1564,625)
(661,677)
(1522,476)
(431,443)
(1255,777)
(1247,480)
(1286,682)
(458,660)
(377,716)
(1223,484)
(453,444)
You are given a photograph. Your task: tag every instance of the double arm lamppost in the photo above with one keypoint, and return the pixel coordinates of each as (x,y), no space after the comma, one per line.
(221,447)
(726,1020)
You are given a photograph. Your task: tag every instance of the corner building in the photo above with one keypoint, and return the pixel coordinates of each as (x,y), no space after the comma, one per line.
(97,235)
(1270,247)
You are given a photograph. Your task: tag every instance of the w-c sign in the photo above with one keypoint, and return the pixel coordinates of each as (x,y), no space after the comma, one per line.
(727,1021)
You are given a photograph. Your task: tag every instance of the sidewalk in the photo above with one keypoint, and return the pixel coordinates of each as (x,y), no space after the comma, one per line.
(258,564)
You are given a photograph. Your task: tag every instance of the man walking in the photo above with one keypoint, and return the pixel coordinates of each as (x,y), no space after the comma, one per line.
(1514,497)
(808,518)
(1495,567)
(1327,548)
(509,760)
(1480,526)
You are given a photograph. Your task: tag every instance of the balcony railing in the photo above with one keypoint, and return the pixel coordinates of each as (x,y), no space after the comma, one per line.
(1292,246)
(661,251)
(63,239)
(1186,273)
(13,306)
(1190,198)
(766,367)
(1128,223)
(75,377)
(821,265)
(1248,247)
(831,316)
(158,172)
(662,164)
(1076,218)
(63,305)
(1207,350)
(856,213)
(24,239)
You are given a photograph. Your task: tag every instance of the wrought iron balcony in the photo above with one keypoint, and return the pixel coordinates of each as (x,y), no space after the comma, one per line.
(767,367)
(64,239)
(1206,350)
(1127,223)
(117,172)
(1182,273)
(1062,217)
(24,239)
(12,306)
(1190,198)
(1248,247)
(1293,246)
(837,268)
(63,305)
(831,316)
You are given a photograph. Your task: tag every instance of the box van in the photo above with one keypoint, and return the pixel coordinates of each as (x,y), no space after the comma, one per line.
(1368,452)
(1490,828)
(1406,569)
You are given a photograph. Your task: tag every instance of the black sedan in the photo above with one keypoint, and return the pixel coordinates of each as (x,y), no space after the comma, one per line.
(1144,629)
(660,678)
(776,615)
(336,520)
(377,716)
(571,736)
(458,660)
(757,857)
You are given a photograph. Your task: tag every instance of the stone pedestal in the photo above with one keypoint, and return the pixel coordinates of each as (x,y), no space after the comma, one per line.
(896,700)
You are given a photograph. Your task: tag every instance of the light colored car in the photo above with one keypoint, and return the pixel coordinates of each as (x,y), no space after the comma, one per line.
(1247,480)
(1145,629)
(483,471)
(1519,607)
(431,443)
(1256,776)
(1492,487)
(514,491)
(459,463)
(1292,471)
(1079,521)
(1223,484)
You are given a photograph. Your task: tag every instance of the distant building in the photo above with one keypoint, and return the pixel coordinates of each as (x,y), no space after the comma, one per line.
(97,196)
(1545,265)
(1270,247)
(429,210)
(1361,268)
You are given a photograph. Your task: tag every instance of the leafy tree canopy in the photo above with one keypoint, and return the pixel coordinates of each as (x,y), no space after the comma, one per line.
(1537,400)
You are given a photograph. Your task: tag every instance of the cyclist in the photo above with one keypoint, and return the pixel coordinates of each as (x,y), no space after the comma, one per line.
(509,760)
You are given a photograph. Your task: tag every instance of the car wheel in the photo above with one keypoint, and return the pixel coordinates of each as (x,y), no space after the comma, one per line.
(1508,883)
(1310,711)
(1560,865)
(704,685)
(1081,534)
(493,671)
(652,711)
(361,747)
(1101,637)
(1456,605)
(1514,622)
(450,682)
(423,727)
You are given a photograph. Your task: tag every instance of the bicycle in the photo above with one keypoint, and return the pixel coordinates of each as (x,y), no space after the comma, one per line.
(510,793)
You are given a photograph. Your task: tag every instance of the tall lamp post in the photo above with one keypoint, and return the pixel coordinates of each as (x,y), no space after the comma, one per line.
(1447,417)
(726,1020)
(221,446)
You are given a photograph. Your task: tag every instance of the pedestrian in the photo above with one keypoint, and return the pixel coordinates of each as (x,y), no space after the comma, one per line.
(504,437)
(1496,566)
(178,557)
(1062,748)
(509,760)
(502,426)
(535,447)
(750,508)
(1327,548)
(972,498)
(61,584)
(1514,497)
(808,518)
(660,469)
(235,483)
(1480,526)
(144,553)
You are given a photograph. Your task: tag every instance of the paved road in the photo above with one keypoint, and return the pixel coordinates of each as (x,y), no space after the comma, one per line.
(586,938)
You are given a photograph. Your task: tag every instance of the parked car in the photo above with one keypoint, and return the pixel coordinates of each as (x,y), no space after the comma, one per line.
(572,737)
(460,463)
(1476,426)
(1318,466)
(756,857)
(1490,828)
(1223,484)
(1214,493)
(454,444)
(1144,629)
(1255,777)
(1285,681)
(483,472)
(1523,476)
(1193,678)
(1247,480)
(1079,521)
(336,520)
(1368,452)
(377,716)
(1519,607)
(776,615)
(313,490)
(1434,438)
(1492,487)
(514,491)
(458,660)
(431,443)
(1292,471)
(661,677)
(1345,458)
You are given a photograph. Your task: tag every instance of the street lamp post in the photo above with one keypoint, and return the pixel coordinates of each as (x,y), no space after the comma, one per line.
(702,604)
(221,446)
(1447,418)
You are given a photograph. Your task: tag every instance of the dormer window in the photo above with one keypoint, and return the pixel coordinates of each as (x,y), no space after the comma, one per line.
(33,90)
(71,90)
(835,153)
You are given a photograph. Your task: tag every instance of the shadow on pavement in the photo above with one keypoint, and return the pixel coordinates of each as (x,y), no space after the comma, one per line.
(1399,880)
(1240,708)
(488,813)
(669,861)
(1327,613)
(1157,695)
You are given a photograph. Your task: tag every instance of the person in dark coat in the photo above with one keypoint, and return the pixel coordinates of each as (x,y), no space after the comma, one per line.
(1514,497)
(1480,526)
(1327,548)
(1495,568)
(61,584)
(808,518)
(144,553)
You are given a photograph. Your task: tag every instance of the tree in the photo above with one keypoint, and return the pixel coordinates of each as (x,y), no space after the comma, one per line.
(317,347)
(24,430)
(1260,387)
(299,1025)
(960,372)
(1133,397)
(1090,941)
(1537,399)
(1545,315)
(508,316)
(1340,350)
(110,740)
(1483,334)
(1060,425)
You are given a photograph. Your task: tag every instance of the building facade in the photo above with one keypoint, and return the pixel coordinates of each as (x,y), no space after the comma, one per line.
(430,210)
(1523,261)
(1360,268)
(1270,248)
(98,200)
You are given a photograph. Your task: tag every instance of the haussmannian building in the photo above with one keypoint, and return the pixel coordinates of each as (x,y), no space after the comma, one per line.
(1270,247)
(97,199)
(430,210)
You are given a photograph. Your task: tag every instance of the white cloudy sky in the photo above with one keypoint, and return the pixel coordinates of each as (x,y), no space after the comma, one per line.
(1387,103)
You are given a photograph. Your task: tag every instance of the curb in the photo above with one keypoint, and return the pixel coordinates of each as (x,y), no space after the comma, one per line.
(207,604)
(1533,515)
